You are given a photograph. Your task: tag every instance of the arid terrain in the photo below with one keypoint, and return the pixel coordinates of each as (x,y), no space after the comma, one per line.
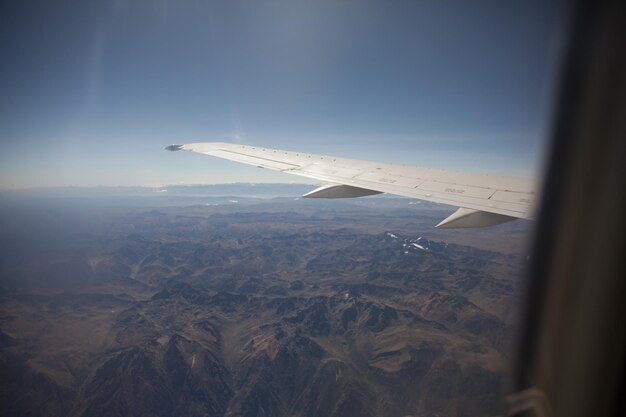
(252,307)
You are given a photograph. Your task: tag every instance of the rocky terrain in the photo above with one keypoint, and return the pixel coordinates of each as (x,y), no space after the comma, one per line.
(281,308)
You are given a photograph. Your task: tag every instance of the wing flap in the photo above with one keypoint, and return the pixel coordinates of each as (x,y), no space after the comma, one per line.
(328,171)
(457,189)
(380,177)
(512,197)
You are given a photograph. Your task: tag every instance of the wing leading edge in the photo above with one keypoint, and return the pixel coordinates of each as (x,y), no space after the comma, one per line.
(483,200)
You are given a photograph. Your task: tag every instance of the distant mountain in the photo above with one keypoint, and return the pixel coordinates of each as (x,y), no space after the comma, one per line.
(261,190)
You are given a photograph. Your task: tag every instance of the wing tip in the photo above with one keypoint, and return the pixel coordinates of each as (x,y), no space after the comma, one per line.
(174,148)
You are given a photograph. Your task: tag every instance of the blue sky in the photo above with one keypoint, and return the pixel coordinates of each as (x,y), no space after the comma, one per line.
(91,91)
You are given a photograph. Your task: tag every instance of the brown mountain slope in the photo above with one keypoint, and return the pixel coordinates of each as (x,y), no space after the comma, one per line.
(253,314)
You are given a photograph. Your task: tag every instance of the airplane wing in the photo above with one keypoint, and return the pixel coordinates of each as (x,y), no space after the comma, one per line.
(483,200)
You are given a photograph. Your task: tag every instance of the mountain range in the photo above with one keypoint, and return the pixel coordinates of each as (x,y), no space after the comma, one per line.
(277,308)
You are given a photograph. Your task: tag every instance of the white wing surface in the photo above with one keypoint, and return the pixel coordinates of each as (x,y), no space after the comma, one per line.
(484,200)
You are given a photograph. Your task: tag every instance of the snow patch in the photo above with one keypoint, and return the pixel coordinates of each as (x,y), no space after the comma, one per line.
(417,245)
